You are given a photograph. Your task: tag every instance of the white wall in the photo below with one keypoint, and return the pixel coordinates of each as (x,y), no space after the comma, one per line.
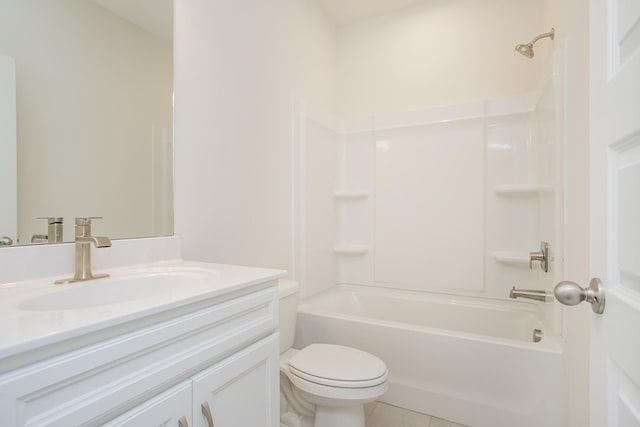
(239,65)
(439,52)
(90,86)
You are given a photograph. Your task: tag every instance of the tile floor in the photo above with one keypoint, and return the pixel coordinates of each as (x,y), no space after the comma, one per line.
(380,414)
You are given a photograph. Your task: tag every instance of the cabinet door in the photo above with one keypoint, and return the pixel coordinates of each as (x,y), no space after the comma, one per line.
(172,408)
(240,391)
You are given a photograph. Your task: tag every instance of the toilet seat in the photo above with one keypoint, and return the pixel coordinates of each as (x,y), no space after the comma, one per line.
(338,366)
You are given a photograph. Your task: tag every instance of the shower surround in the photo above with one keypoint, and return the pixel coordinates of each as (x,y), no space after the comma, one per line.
(448,199)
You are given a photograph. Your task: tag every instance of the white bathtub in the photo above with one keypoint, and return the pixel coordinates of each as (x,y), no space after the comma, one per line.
(472,361)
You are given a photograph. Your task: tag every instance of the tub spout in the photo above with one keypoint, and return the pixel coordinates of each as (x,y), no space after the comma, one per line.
(533,294)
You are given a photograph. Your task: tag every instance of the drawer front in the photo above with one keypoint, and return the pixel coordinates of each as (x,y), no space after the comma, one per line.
(93,384)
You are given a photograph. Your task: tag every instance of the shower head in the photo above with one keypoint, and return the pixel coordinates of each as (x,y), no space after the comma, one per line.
(527,49)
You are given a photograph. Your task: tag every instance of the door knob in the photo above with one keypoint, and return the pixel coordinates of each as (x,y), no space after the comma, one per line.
(570,293)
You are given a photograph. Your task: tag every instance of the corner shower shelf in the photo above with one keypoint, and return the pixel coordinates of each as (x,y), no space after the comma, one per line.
(351,195)
(517,190)
(517,259)
(351,250)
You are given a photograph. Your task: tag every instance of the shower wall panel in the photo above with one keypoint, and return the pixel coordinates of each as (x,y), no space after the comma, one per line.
(355,208)
(318,170)
(429,207)
(512,200)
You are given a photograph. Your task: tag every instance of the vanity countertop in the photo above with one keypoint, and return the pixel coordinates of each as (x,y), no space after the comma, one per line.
(37,313)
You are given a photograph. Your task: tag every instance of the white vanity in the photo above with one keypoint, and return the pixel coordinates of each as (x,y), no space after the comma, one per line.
(172,343)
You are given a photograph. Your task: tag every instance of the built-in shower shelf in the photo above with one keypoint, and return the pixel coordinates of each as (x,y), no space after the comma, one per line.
(519,259)
(351,195)
(351,250)
(517,190)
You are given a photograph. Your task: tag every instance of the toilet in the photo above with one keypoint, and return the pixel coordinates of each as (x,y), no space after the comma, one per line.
(323,385)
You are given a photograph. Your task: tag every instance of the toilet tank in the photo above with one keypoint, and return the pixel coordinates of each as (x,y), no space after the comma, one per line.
(288,290)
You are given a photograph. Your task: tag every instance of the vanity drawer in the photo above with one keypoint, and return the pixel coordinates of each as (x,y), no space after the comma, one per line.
(90,385)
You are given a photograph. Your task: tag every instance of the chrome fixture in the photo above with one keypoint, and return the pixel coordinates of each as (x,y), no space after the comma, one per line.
(570,293)
(537,335)
(542,256)
(533,294)
(527,49)
(84,239)
(54,230)
(39,238)
(6,241)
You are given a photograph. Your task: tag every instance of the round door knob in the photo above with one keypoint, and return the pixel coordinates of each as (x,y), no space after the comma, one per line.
(570,293)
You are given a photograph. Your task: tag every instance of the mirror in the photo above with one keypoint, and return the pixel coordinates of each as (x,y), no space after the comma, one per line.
(93,89)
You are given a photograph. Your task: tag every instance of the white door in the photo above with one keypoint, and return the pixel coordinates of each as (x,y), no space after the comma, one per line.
(615,210)
(8,166)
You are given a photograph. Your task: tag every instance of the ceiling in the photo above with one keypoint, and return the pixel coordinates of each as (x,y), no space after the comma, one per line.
(155,16)
(344,12)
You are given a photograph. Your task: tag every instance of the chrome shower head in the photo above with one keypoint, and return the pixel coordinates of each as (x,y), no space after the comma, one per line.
(527,49)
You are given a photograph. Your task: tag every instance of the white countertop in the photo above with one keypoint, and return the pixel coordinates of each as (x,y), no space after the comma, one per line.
(27,326)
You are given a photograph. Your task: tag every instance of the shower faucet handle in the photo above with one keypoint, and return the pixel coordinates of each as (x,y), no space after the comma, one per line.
(542,256)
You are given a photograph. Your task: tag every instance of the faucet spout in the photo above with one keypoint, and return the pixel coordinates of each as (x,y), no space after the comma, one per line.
(534,294)
(98,242)
(84,240)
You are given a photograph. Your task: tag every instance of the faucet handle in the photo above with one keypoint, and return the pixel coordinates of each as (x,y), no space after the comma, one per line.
(52,219)
(83,225)
(86,220)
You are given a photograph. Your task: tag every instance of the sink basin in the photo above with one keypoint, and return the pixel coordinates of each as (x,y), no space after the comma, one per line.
(168,284)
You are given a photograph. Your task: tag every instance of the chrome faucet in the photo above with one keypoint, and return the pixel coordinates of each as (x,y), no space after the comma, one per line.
(84,240)
(533,294)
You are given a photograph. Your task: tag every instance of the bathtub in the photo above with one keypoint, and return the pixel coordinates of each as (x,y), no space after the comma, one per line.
(472,361)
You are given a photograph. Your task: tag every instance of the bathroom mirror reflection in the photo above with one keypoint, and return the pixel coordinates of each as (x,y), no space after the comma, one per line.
(91,126)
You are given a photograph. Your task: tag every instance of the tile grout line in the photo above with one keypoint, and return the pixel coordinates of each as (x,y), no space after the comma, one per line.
(383,412)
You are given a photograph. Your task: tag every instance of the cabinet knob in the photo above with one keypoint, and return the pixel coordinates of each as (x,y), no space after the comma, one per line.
(183,422)
(206,411)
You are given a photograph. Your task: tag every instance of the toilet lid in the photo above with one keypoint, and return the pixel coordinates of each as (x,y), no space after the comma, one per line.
(338,366)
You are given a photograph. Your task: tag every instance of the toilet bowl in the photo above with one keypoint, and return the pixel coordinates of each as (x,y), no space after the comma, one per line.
(323,385)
